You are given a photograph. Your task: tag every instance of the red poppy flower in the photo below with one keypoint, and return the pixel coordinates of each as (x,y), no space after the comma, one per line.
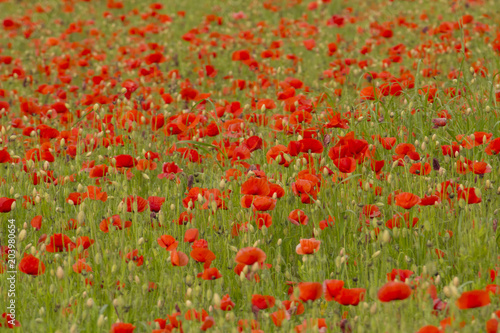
(135,203)
(6,204)
(420,170)
(370,211)
(402,274)
(394,290)
(492,325)
(473,299)
(480,168)
(350,296)
(134,256)
(493,147)
(311,145)
(122,328)
(310,291)
(84,241)
(145,164)
(207,323)
(406,200)
(169,170)
(298,217)
(178,258)
(36,222)
(155,203)
(377,166)
(226,304)
(116,222)
(191,235)
(211,273)
(345,164)
(263,203)
(94,193)
(203,255)
(60,243)
(308,246)
(278,317)
(369,93)
(10,321)
(31,265)
(469,194)
(263,302)
(329,222)
(5,156)
(263,219)
(255,186)
(250,255)
(75,198)
(200,243)
(429,200)
(167,242)
(125,161)
(81,266)
(332,288)
(429,329)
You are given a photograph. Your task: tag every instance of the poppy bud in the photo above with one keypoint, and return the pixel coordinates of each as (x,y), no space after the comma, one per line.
(376,254)
(230,316)
(454,292)
(60,273)
(100,321)
(338,261)
(189,292)
(216,300)
(41,312)
(461,203)
(447,291)
(386,236)
(90,303)
(264,230)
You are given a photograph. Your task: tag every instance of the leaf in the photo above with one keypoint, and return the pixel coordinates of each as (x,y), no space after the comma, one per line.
(103,308)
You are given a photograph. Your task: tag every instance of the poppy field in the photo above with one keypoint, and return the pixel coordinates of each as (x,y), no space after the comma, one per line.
(250,166)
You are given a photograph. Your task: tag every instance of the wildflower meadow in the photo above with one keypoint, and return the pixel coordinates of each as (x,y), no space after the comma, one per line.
(249,166)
